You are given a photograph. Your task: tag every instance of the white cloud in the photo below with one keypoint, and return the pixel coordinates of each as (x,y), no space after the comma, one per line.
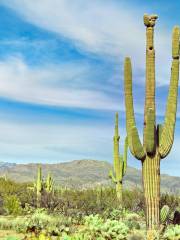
(63,84)
(102,27)
(107,28)
(51,85)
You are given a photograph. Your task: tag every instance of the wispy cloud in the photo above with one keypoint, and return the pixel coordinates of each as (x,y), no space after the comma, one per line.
(56,85)
(108,28)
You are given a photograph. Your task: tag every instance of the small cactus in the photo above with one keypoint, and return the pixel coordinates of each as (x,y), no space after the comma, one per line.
(164,214)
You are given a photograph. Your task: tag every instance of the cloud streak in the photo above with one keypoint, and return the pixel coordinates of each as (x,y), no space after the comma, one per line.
(53,85)
(107,28)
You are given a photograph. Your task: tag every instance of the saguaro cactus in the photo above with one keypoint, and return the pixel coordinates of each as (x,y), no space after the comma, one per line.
(39,186)
(157,140)
(49,184)
(120,162)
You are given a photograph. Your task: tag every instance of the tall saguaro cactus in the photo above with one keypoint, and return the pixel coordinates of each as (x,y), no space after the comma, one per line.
(157,140)
(120,162)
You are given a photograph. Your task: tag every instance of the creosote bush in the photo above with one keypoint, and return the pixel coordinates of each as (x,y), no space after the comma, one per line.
(12,205)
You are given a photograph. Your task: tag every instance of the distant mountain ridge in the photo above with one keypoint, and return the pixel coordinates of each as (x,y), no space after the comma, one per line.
(82,174)
(6,165)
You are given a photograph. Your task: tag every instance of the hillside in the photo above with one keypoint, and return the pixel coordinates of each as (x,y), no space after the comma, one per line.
(82,174)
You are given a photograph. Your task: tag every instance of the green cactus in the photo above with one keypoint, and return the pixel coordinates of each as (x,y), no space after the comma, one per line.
(164,214)
(158,140)
(49,184)
(120,162)
(99,194)
(39,186)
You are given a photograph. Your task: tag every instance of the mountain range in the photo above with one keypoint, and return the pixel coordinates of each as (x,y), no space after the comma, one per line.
(82,174)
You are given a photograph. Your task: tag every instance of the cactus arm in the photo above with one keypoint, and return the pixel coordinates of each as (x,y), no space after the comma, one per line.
(167,135)
(159,132)
(116,145)
(111,175)
(125,156)
(49,183)
(119,170)
(137,148)
(149,134)
(130,119)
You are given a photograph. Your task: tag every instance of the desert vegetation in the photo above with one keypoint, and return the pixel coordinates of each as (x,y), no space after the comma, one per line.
(45,210)
(79,214)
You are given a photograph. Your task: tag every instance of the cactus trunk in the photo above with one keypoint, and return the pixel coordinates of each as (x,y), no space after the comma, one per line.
(151,184)
(119,192)
(39,185)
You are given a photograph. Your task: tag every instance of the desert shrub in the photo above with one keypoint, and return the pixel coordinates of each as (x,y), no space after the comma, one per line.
(86,202)
(12,205)
(172,232)
(133,217)
(37,222)
(28,209)
(136,235)
(171,200)
(12,223)
(132,224)
(133,221)
(54,225)
(133,200)
(27,196)
(114,214)
(9,188)
(96,228)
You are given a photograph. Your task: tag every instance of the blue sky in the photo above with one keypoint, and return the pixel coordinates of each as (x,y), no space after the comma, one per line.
(61,76)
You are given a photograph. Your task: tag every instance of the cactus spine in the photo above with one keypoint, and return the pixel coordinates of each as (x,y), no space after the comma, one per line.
(157,141)
(120,162)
